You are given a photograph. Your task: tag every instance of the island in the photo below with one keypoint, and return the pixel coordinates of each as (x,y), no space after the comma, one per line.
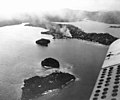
(77,33)
(50,63)
(68,31)
(114,26)
(37,86)
(43,42)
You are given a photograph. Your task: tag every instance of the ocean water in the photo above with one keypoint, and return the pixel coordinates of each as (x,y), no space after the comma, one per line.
(20,58)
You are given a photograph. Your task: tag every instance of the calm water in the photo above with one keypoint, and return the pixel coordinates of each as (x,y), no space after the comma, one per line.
(20,58)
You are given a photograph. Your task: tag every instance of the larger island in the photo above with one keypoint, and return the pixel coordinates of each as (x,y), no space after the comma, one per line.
(65,31)
(39,85)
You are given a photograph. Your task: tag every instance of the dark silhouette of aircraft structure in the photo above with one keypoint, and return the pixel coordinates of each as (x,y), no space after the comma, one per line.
(107,86)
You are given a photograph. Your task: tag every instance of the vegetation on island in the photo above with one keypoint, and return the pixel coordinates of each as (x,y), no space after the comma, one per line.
(77,33)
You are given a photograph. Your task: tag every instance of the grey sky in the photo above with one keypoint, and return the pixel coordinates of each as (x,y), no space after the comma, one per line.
(9,7)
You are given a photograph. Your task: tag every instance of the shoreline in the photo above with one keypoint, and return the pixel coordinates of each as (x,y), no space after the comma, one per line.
(66,31)
(41,85)
(88,42)
(85,41)
(70,31)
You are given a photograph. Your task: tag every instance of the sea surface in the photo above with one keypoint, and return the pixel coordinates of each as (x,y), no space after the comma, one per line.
(20,58)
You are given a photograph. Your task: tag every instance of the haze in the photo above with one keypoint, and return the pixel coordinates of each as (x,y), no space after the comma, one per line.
(10,7)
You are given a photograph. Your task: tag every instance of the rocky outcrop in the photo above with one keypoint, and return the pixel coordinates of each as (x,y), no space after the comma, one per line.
(38,86)
(43,42)
(77,33)
(50,63)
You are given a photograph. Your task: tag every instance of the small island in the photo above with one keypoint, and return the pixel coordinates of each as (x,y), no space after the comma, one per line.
(43,42)
(50,63)
(114,26)
(40,85)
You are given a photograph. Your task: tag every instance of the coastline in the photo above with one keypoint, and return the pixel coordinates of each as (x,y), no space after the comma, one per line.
(68,31)
(28,54)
